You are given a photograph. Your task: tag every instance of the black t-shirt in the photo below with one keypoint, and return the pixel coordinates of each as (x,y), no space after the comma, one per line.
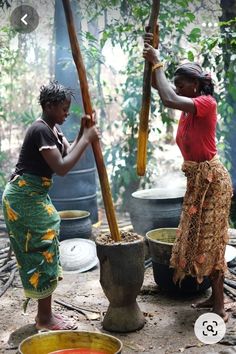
(39,136)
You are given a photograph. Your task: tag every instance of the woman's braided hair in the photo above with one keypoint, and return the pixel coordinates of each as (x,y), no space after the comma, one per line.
(194,71)
(54,93)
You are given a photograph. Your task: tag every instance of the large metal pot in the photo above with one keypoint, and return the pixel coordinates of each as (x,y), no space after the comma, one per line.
(155,208)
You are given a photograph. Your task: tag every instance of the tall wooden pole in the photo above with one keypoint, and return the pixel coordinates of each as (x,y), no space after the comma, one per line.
(146,98)
(105,187)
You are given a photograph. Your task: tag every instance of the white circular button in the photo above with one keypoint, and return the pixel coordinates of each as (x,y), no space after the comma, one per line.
(24,19)
(209,328)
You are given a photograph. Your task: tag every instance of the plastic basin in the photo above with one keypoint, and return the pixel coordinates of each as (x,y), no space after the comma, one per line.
(90,342)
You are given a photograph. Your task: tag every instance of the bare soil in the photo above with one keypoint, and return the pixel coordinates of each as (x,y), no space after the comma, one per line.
(169,319)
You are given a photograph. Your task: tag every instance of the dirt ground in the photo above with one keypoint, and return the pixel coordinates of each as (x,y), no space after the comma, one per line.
(169,320)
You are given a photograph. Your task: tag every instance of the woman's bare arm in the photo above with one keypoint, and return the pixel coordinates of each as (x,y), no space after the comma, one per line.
(61,165)
(84,120)
(159,81)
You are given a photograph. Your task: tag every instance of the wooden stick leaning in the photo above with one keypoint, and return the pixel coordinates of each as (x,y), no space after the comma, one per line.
(105,187)
(9,281)
(146,98)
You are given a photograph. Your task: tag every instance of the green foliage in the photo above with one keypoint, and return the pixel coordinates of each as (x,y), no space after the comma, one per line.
(17,97)
(122,154)
(125,29)
(26,117)
(2,174)
(8,61)
(194,35)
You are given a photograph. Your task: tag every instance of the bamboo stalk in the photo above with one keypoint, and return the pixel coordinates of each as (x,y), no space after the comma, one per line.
(105,187)
(146,98)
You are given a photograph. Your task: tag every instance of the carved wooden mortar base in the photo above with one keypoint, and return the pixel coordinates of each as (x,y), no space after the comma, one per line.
(123,319)
(121,277)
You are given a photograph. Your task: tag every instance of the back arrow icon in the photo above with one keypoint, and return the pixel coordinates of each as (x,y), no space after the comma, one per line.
(23,19)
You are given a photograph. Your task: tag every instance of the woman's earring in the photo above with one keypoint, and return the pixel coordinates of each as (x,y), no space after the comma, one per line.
(195,90)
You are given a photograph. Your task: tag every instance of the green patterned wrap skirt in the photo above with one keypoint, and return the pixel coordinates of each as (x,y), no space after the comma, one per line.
(33,226)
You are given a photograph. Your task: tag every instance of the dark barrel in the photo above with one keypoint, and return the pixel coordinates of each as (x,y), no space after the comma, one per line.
(77,190)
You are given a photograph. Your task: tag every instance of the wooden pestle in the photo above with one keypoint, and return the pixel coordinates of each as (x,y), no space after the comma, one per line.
(105,187)
(144,113)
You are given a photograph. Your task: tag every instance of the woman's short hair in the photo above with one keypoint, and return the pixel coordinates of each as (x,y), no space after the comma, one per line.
(194,71)
(54,93)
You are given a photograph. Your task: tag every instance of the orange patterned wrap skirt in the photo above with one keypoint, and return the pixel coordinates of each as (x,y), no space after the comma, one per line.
(202,234)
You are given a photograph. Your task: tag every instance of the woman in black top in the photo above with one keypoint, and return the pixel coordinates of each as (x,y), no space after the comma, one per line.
(32,221)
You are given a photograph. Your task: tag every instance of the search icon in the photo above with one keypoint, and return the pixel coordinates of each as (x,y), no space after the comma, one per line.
(210,328)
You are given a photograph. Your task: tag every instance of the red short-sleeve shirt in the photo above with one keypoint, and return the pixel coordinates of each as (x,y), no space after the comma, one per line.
(196,133)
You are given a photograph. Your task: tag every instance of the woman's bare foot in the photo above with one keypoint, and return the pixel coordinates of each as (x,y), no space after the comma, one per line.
(206,304)
(217,280)
(226,317)
(59,316)
(222,314)
(56,322)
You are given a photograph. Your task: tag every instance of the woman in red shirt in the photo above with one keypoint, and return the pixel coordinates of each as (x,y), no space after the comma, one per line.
(202,234)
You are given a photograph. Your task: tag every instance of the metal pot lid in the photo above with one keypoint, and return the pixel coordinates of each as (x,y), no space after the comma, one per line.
(159,193)
(78,255)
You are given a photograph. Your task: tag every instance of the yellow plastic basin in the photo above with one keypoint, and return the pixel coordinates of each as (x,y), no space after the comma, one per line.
(45,343)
